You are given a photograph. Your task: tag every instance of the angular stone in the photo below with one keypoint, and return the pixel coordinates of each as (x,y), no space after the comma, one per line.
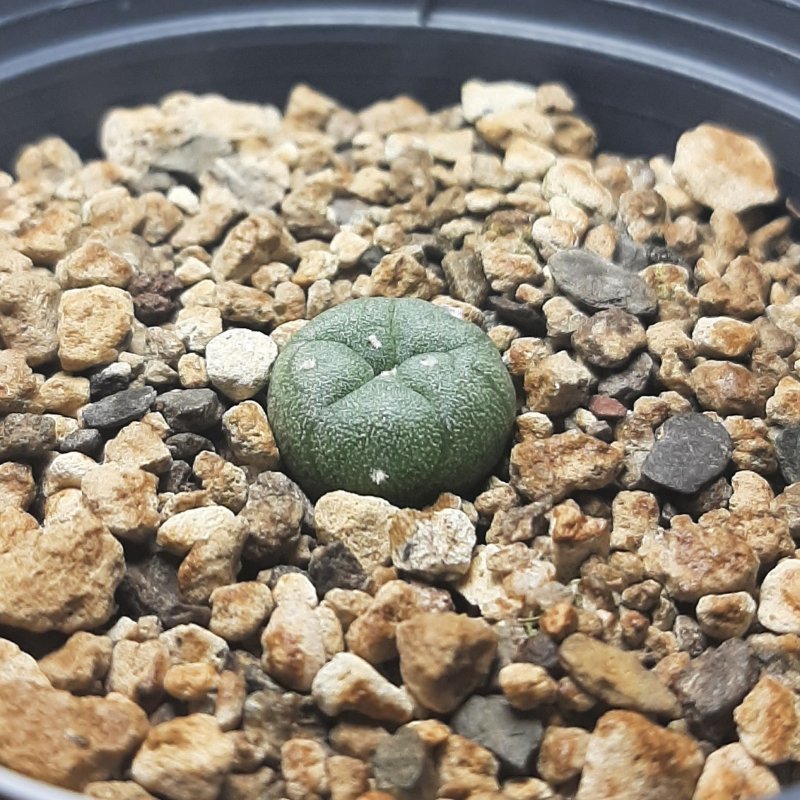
(629,758)
(444,657)
(77,563)
(732,772)
(29,303)
(723,169)
(723,337)
(119,409)
(575,537)
(562,753)
(556,384)
(124,499)
(151,587)
(64,394)
(511,735)
(80,665)
(348,683)
(256,240)
(140,445)
(465,277)
(17,486)
(249,436)
(239,610)
(559,465)
(94,264)
(372,636)
(609,338)
(402,764)
(728,388)
(690,450)
(779,602)
(433,546)
(26,436)
(272,516)
(138,669)
(527,686)
(88,441)
(598,284)
(616,676)
(238,362)
(186,758)
(93,323)
(293,645)
(335,567)
(50,735)
(361,522)
(193,410)
(629,383)
(712,685)
(466,769)
(768,722)
(787,449)
(18,385)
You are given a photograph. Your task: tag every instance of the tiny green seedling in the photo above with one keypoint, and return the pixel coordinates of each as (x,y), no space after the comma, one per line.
(390,397)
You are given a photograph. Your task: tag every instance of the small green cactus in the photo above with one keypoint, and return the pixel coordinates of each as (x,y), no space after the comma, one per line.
(393,398)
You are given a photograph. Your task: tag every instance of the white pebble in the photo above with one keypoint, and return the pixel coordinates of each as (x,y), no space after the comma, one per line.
(238,362)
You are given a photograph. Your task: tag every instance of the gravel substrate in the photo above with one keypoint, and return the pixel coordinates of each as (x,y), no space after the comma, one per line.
(613,615)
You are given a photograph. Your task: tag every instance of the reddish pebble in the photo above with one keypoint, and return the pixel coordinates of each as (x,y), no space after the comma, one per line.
(607,407)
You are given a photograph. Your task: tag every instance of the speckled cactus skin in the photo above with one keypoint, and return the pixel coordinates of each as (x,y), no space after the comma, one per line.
(390,397)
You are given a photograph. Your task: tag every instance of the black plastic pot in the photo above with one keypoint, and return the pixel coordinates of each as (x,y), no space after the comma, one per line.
(644,70)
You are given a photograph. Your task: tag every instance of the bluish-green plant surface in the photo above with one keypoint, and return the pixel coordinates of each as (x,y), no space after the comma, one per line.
(395,398)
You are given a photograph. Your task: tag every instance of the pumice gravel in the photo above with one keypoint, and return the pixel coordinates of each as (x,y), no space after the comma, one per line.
(396,453)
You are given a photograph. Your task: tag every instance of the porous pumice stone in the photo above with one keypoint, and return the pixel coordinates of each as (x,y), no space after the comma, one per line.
(390,397)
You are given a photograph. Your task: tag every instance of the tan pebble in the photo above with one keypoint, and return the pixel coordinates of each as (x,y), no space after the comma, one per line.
(657,763)
(64,394)
(239,610)
(190,682)
(303,764)
(527,686)
(17,487)
(431,645)
(50,735)
(184,759)
(138,669)
(124,499)
(92,326)
(768,722)
(732,772)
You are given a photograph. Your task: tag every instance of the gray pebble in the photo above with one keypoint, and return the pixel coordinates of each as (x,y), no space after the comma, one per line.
(465,277)
(190,410)
(111,379)
(510,734)
(629,383)
(119,409)
(185,446)
(401,763)
(524,316)
(88,441)
(596,283)
(151,587)
(787,448)
(712,685)
(26,436)
(178,478)
(335,566)
(690,450)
